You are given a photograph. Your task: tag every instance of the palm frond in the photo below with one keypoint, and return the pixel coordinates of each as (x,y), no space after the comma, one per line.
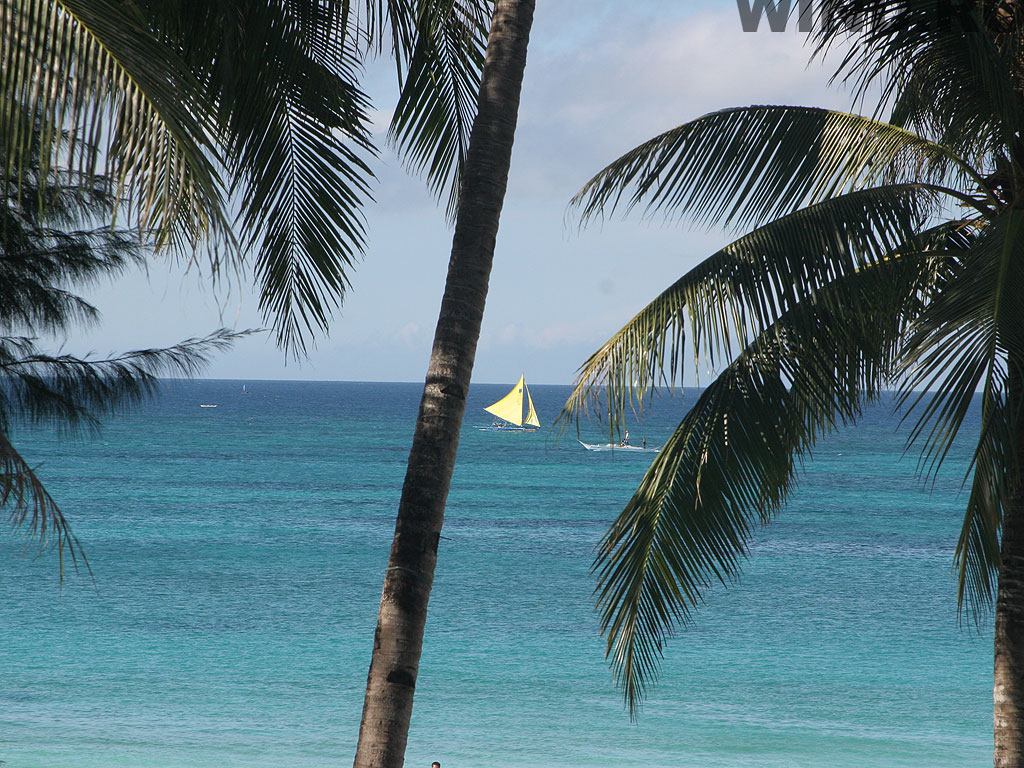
(304,192)
(32,511)
(385,22)
(953,58)
(72,393)
(741,290)
(995,461)
(963,337)
(295,129)
(960,346)
(435,110)
(107,92)
(730,464)
(750,165)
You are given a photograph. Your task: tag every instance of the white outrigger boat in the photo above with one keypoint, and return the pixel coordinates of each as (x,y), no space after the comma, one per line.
(617,447)
(515,411)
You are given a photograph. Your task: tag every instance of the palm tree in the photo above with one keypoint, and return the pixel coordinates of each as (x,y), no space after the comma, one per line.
(878,254)
(398,639)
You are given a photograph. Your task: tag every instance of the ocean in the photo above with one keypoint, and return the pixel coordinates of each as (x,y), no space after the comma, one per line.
(237,554)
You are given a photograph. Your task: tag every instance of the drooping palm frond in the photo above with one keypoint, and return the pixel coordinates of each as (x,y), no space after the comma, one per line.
(91,71)
(995,460)
(957,59)
(964,336)
(747,166)
(71,393)
(435,110)
(730,464)
(321,24)
(960,349)
(173,92)
(31,510)
(385,23)
(742,290)
(965,100)
(294,127)
(304,191)
(951,70)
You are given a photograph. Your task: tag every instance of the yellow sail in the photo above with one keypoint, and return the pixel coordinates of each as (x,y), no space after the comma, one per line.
(510,407)
(531,414)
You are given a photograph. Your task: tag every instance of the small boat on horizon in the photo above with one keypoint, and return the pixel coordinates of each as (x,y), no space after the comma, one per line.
(515,411)
(245,391)
(208,405)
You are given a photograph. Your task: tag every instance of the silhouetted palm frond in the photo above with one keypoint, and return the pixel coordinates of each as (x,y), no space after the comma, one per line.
(880,256)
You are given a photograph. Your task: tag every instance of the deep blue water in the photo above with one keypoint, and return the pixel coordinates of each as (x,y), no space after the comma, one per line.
(238,553)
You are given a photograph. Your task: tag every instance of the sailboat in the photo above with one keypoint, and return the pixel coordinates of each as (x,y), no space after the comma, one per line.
(515,411)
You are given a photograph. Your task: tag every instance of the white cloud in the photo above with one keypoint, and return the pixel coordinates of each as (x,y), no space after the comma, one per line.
(509,334)
(636,75)
(408,334)
(566,333)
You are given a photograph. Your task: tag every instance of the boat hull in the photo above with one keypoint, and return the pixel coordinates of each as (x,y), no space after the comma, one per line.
(615,447)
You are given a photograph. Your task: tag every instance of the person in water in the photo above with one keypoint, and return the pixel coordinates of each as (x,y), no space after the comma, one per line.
(435,764)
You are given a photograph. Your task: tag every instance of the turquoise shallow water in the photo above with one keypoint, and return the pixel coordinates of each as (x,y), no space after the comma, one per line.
(238,555)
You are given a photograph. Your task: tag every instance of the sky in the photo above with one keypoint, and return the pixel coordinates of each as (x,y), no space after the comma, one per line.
(602,76)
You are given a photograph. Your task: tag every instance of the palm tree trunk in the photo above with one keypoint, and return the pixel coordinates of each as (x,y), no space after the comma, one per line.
(398,640)
(1008,692)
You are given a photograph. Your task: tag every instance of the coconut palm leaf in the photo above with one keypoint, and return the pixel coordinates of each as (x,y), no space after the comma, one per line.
(969,100)
(977,555)
(730,464)
(32,511)
(91,71)
(933,57)
(174,93)
(964,337)
(435,111)
(294,128)
(958,350)
(742,290)
(299,154)
(303,191)
(749,165)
